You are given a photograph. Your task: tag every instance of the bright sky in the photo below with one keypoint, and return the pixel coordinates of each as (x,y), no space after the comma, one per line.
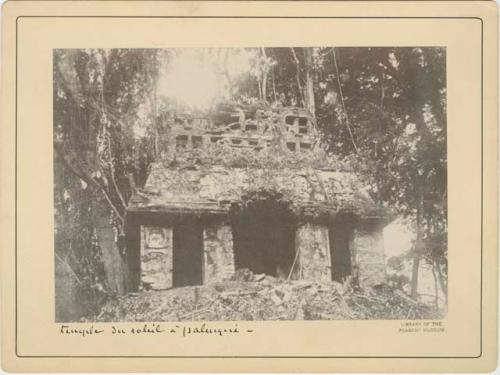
(194,76)
(190,81)
(397,239)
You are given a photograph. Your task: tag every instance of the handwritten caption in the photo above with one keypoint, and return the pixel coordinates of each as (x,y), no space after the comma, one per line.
(422,327)
(183,330)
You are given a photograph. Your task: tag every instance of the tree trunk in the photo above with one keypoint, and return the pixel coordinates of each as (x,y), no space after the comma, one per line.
(227,75)
(436,289)
(274,85)
(442,282)
(414,276)
(155,119)
(297,76)
(309,89)
(344,108)
(418,245)
(264,75)
(114,266)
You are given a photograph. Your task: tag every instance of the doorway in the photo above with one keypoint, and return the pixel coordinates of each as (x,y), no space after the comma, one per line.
(188,253)
(264,235)
(340,237)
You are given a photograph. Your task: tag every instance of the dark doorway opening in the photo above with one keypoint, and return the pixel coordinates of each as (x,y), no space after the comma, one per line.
(188,253)
(340,237)
(264,235)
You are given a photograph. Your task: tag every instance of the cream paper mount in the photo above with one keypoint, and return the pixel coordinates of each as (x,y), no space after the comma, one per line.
(249,186)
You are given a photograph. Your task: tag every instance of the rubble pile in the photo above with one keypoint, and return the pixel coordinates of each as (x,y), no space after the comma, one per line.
(261,297)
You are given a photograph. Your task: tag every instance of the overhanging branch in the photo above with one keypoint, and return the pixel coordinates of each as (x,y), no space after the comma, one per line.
(89,180)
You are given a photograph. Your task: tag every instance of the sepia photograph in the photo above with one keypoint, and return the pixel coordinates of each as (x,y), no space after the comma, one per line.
(250,184)
(272,186)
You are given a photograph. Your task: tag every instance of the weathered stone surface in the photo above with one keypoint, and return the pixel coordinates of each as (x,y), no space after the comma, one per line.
(367,246)
(253,129)
(218,256)
(214,189)
(216,164)
(156,257)
(313,245)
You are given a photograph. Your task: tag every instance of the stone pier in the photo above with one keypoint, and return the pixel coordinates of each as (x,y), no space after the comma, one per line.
(156,257)
(368,251)
(218,256)
(312,243)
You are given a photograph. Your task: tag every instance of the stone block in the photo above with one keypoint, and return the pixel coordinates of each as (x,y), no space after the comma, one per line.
(313,244)
(368,249)
(156,257)
(218,256)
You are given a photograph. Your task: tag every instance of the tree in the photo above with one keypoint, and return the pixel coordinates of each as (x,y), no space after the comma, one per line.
(395,100)
(98,95)
(309,89)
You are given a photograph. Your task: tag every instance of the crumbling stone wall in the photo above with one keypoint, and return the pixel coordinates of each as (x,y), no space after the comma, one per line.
(218,257)
(313,244)
(292,128)
(216,167)
(367,246)
(156,257)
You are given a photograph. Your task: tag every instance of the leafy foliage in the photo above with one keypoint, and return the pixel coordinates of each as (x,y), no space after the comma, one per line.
(98,100)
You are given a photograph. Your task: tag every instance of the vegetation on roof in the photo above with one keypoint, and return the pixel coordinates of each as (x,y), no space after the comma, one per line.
(274,156)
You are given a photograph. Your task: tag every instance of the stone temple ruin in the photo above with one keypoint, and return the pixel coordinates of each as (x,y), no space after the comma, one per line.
(197,223)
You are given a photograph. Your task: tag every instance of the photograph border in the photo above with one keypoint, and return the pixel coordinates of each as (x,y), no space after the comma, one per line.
(236,356)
